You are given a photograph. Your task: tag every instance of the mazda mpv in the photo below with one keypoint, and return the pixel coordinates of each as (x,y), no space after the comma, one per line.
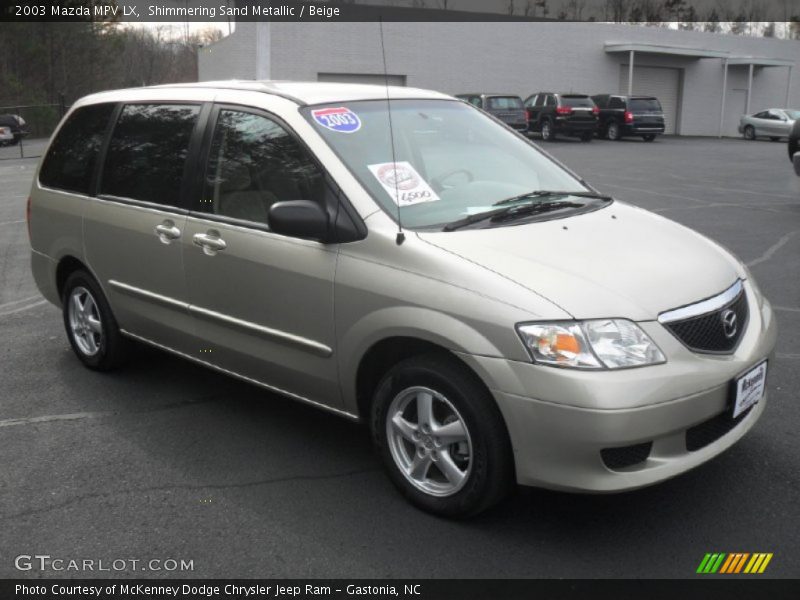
(491,316)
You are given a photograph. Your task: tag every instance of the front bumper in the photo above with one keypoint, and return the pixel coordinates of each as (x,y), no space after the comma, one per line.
(561,420)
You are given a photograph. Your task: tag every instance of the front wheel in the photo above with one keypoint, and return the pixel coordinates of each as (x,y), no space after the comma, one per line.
(91,328)
(749,132)
(441,437)
(612,131)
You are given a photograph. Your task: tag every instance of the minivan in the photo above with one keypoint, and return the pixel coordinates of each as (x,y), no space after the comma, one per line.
(506,107)
(493,318)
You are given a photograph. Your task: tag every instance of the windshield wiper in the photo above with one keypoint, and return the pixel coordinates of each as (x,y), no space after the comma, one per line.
(550,193)
(509,213)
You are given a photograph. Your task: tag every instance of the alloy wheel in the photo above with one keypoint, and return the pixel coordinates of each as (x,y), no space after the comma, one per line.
(429,441)
(84,321)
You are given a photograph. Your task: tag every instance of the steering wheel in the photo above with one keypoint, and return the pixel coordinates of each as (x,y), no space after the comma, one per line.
(438,183)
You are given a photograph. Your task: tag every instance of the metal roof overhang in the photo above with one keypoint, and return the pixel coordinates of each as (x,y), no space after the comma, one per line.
(760,62)
(686,51)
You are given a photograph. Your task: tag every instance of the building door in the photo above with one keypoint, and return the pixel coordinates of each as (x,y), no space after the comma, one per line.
(662,82)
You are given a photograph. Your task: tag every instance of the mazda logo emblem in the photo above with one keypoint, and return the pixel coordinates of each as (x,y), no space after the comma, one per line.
(729,323)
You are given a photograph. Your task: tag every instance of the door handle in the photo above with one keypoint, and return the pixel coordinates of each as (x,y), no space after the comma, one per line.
(167,232)
(210,242)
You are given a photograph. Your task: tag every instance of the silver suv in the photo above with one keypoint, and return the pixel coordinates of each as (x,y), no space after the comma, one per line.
(490,316)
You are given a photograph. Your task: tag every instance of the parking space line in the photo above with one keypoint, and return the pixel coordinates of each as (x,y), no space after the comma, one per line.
(23,308)
(20,301)
(772,249)
(786,309)
(12,222)
(103,413)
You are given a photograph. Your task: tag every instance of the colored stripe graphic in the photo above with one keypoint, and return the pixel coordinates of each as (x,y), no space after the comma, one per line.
(733,563)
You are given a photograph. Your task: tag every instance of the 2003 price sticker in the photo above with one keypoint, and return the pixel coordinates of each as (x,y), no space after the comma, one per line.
(402,182)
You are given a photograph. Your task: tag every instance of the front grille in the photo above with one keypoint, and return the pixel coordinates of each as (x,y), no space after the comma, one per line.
(711,430)
(626,456)
(708,333)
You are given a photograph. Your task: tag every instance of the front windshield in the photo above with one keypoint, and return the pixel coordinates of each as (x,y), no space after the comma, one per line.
(452,161)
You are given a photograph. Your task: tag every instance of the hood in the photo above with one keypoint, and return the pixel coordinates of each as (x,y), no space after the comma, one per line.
(619,261)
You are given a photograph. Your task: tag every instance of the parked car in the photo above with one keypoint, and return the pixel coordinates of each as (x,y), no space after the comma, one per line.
(17,127)
(794,146)
(627,116)
(490,316)
(6,135)
(505,107)
(774,123)
(567,114)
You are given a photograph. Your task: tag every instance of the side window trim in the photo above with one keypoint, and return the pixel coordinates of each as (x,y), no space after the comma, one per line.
(334,191)
(94,185)
(197,132)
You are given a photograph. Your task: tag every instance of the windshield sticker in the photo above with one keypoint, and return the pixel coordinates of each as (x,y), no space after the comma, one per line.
(341,120)
(403,183)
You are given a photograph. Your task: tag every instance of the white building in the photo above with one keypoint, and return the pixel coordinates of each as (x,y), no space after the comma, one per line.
(705,81)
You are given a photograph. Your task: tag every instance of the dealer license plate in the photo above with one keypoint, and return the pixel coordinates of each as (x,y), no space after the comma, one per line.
(749,388)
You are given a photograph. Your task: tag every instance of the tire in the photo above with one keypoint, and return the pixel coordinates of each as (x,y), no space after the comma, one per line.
(548,135)
(587,137)
(749,133)
(480,462)
(612,131)
(649,137)
(91,328)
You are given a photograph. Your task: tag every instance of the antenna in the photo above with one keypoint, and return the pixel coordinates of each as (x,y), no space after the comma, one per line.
(401,237)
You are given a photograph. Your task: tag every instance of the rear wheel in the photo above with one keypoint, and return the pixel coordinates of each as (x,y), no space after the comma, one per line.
(612,131)
(548,135)
(91,328)
(749,132)
(441,437)
(649,137)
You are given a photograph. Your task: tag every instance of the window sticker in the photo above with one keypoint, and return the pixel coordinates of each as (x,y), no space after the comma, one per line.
(402,182)
(341,119)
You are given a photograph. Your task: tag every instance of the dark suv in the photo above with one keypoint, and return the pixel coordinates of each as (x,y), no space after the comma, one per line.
(505,107)
(567,114)
(622,116)
(794,146)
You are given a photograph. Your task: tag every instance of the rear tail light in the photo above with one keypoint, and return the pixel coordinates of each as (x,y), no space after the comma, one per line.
(628,116)
(596,110)
(528,115)
(563,110)
(28,217)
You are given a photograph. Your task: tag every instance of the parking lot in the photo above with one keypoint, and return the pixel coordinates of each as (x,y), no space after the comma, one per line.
(166,460)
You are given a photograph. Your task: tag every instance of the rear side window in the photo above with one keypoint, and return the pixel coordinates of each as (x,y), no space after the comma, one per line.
(645,104)
(577,101)
(147,152)
(72,156)
(504,103)
(616,103)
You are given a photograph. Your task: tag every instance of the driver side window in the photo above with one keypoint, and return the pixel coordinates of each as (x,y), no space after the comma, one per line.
(254,162)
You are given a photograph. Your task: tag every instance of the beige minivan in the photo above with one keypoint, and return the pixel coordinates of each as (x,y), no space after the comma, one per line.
(399,257)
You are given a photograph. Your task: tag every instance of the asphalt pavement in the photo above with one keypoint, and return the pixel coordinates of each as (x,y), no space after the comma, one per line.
(165,460)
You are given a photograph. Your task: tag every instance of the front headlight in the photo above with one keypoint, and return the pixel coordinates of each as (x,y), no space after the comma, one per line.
(595,344)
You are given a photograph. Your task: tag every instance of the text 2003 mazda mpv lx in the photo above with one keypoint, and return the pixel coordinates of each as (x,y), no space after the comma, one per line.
(524,328)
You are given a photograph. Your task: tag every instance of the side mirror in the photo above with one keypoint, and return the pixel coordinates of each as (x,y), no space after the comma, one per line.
(302,219)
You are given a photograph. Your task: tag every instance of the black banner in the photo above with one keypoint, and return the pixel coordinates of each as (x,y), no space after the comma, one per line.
(222,11)
(706,587)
